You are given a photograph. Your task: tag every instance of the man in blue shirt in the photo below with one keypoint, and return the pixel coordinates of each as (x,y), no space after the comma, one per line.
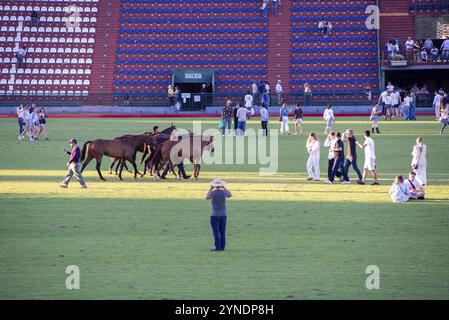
(74,165)
(218,195)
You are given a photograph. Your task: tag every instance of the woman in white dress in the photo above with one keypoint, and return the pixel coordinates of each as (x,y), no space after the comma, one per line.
(313,163)
(419,161)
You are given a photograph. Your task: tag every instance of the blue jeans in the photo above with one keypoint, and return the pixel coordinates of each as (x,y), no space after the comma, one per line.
(242,126)
(218,225)
(265,11)
(348,163)
(445,122)
(338,165)
(227,121)
(20,121)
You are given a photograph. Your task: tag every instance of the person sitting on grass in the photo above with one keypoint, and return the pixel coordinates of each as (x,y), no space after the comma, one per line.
(399,191)
(415,187)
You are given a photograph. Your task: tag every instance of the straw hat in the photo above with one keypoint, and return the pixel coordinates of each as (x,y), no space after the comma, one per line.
(217,182)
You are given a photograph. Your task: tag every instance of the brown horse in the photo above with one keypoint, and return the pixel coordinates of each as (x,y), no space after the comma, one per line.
(189,147)
(143,148)
(125,149)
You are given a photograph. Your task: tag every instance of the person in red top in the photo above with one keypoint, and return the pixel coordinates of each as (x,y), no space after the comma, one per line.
(74,165)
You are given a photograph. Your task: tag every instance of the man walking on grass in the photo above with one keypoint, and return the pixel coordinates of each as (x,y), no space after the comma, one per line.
(74,165)
(351,157)
(370,159)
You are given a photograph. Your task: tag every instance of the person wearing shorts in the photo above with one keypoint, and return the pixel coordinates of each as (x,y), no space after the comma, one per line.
(370,158)
(298,119)
(388,106)
(375,119)
(43,122)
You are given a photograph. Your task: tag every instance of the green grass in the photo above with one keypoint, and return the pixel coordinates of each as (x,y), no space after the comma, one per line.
(287,239)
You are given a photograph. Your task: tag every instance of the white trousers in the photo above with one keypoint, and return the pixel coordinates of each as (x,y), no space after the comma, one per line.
(421,174)
(313,167)
(284,125)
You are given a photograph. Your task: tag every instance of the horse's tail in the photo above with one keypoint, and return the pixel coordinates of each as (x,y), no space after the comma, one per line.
(83,150)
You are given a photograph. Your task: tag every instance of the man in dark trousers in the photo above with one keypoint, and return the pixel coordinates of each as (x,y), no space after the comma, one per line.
(74,165)
(218,194)
(351,157)
(339,159)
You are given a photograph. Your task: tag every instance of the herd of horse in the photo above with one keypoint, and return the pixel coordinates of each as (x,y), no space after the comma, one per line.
(160,150)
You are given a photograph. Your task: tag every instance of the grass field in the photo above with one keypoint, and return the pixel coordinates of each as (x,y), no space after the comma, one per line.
(287,238)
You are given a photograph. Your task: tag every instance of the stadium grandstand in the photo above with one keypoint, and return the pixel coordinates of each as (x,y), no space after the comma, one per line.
(110,53)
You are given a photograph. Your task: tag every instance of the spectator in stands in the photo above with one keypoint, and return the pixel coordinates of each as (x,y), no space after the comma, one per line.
(275,4)
(328,28)
(434,54)
(415,187)
(399,190)
(255,90)
(307,95)
(409,46)
(389,49)
(126,100)
(264,8)
(226,115)
(428,45)
(279,97)
(397,42)
(203,94)
(321,27)
(423,90)
(445,49)
(20,56)
(34,19)
(418,48)
(171,95)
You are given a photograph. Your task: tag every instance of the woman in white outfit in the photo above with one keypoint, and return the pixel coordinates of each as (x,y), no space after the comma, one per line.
(399,190)
(313,163)
(329,118)
(419,161)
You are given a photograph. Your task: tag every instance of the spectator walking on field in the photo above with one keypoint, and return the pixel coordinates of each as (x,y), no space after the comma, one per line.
(264,118)
(330,143)
(437,104)
(218,194)
(329,118)
(74,165)
(313,162)
(242,113)
(351,156)
(339,159)
(20,119)
(298,119)
(374,117)
(370,159)
(284,119)
(226,115)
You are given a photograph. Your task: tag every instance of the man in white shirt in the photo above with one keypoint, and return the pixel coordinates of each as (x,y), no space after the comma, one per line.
(396,101)
(445,49)
(248,100)
(255,90)
(329,118)
(330,143)
(279,92)
(241,115)
(415,187)
(388,106)
(381,101)
(264,118)
(370,159)
(409,45)
(437,105)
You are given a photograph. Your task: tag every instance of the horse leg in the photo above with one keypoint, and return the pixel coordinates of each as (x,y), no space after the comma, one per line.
(136,172)
(86,162)
(98,166)
(122,161)
(114,160)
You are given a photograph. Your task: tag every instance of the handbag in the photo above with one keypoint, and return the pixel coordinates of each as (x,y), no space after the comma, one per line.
(220,124)
(415,166)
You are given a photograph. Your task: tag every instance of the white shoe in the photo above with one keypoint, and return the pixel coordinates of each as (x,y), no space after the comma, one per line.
(328,181)
(346,182)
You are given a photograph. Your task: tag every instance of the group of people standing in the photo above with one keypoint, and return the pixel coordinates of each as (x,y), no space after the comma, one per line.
(32,122)
(338,162)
